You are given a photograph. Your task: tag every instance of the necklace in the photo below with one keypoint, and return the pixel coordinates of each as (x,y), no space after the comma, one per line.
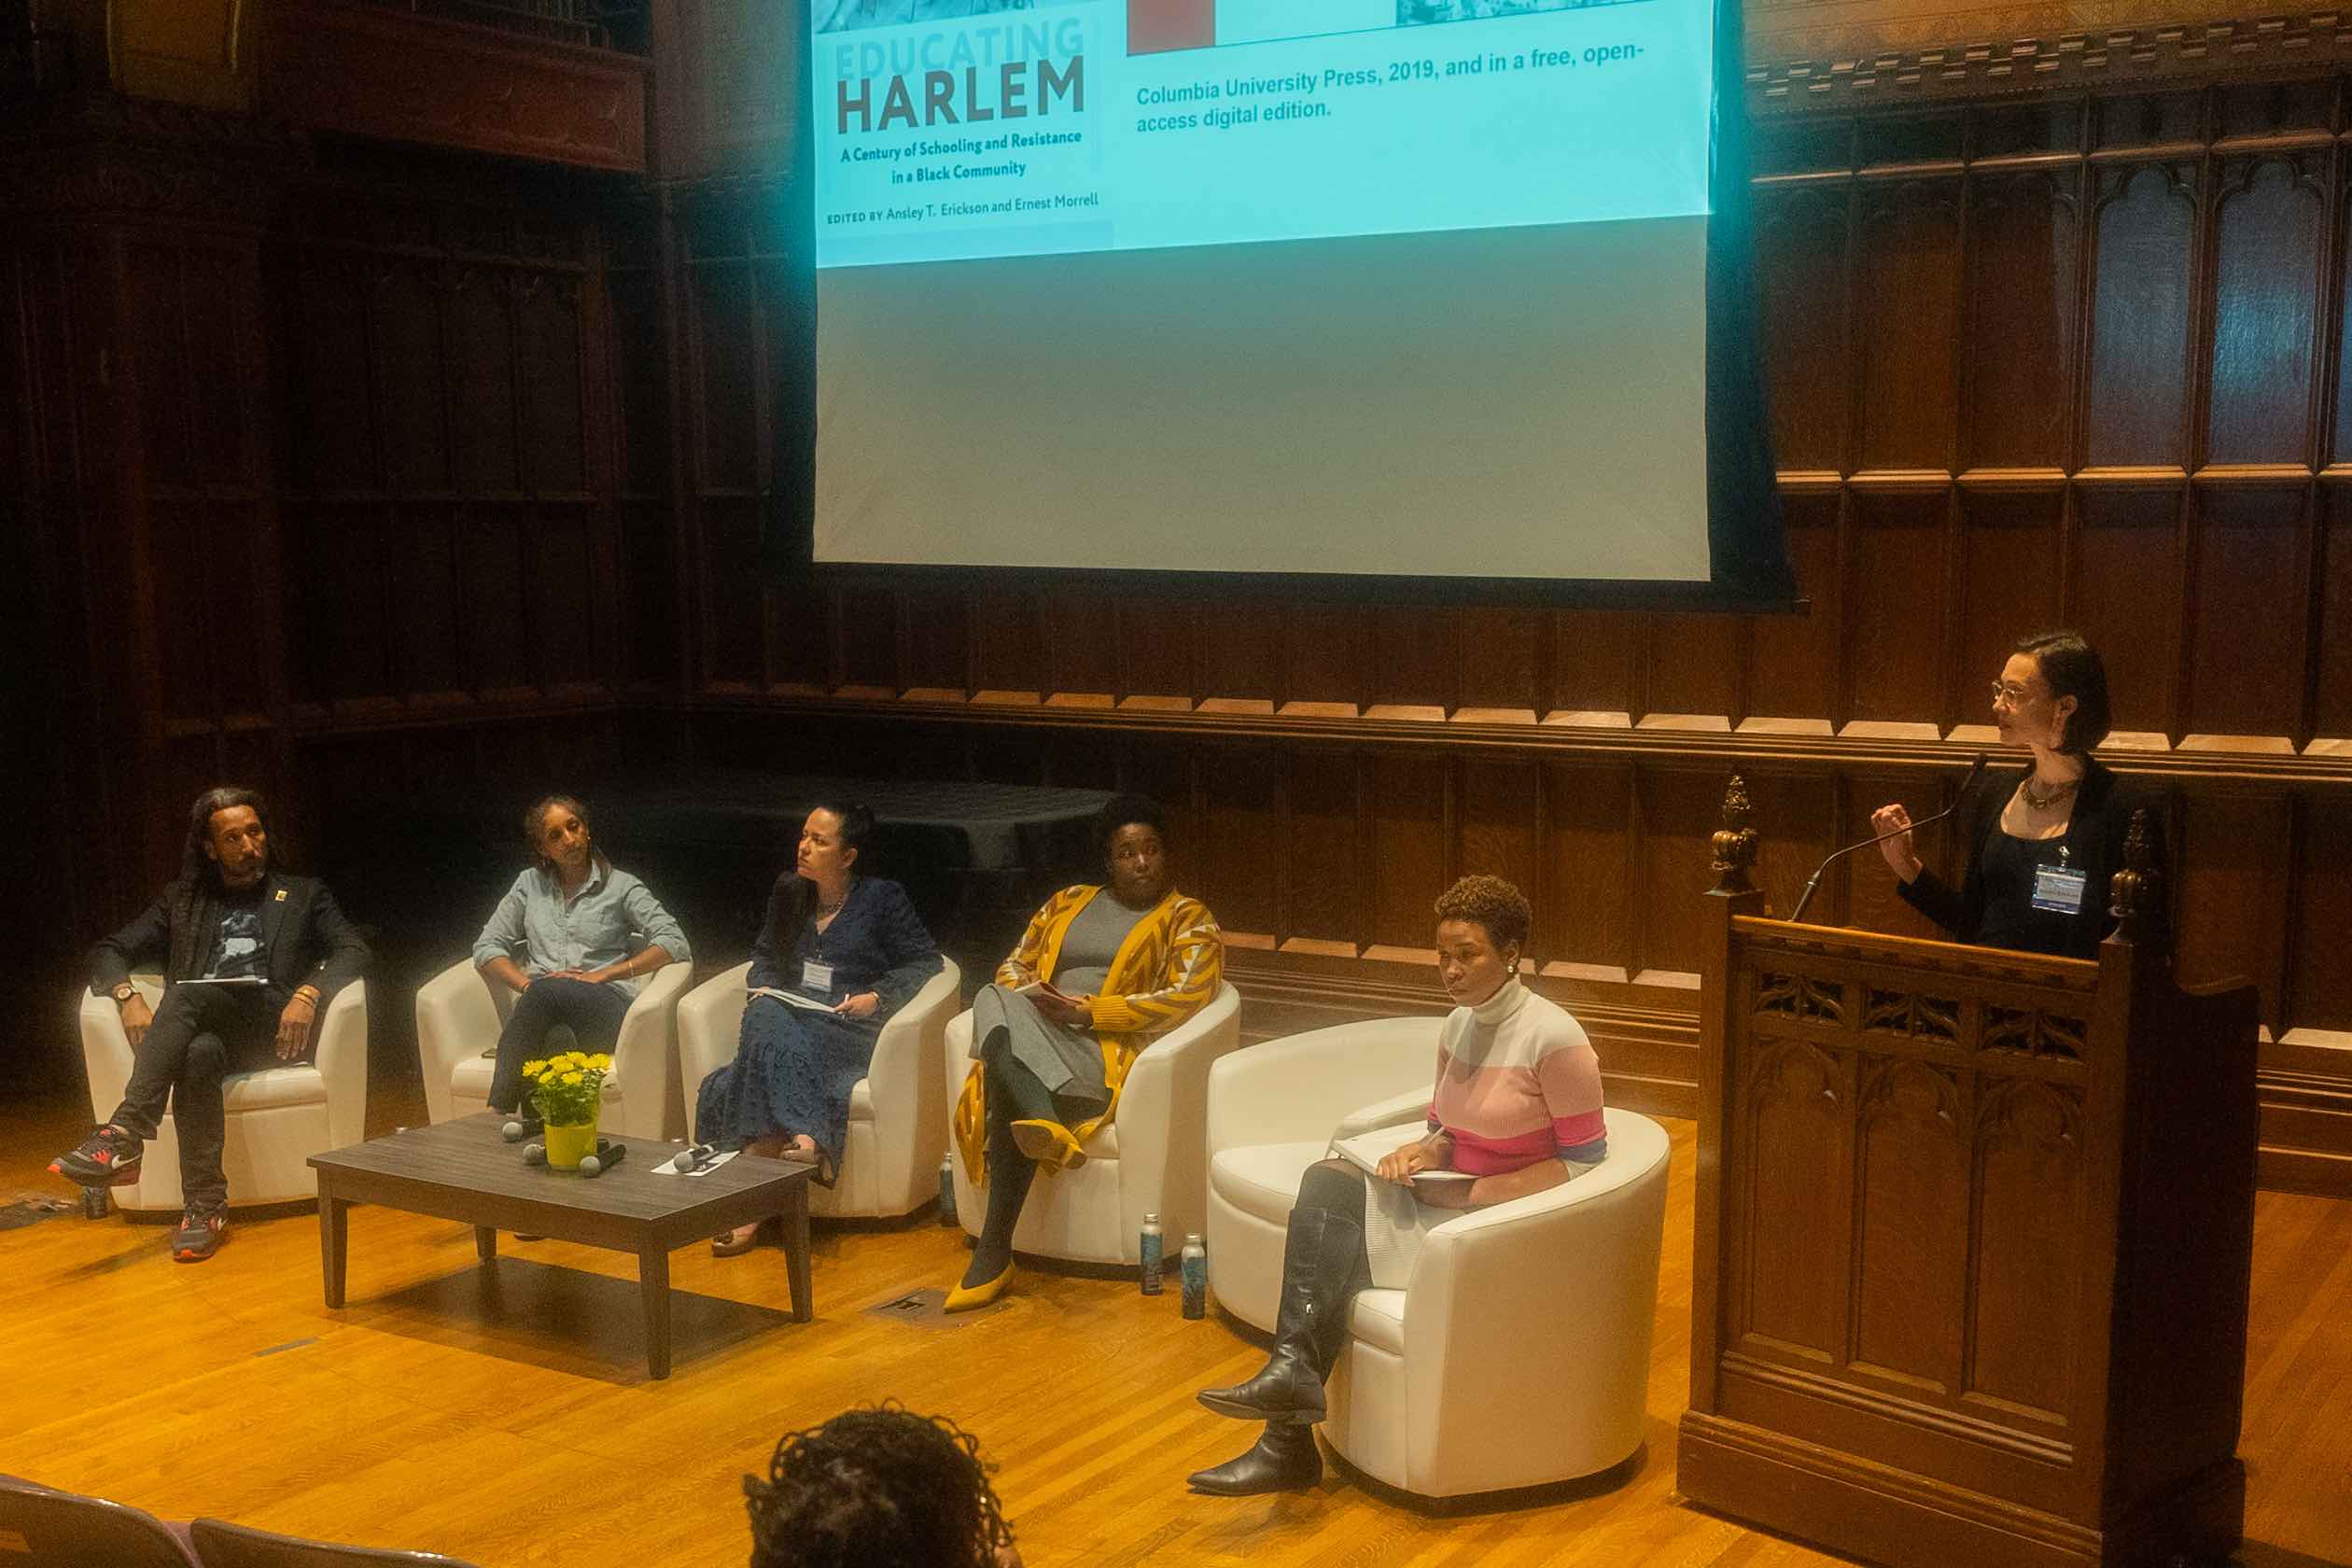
(2048,796)
(824,909)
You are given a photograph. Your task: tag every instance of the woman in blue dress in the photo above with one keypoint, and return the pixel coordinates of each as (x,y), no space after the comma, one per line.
(838,954)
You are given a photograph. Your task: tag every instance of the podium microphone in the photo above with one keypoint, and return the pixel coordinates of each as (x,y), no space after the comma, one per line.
(1976,769)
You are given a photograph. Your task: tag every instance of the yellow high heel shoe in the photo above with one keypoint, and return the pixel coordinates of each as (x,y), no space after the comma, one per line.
(1049,1142)
(963,1298)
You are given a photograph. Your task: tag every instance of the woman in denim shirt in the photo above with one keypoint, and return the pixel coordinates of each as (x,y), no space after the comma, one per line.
(588,936)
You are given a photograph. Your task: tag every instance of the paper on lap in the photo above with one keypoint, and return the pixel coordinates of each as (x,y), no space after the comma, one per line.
(792,998)
(1367,1149)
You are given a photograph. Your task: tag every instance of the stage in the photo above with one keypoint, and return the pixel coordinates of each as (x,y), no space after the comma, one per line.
(505,1416)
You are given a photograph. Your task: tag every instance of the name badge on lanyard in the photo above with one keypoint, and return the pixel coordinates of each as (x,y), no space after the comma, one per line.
(2058,888)
(817,978)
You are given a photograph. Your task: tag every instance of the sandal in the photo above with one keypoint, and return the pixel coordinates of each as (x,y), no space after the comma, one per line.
(735,1242)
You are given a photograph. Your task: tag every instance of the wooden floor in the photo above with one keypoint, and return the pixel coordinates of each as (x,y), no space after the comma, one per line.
(487,1415)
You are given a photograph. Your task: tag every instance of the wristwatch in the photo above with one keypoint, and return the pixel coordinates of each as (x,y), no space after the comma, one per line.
(124,992)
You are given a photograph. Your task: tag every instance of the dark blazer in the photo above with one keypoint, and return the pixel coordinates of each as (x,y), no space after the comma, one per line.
(302,930)
(2094,840)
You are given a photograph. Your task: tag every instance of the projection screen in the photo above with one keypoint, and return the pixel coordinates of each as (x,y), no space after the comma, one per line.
(1326,293)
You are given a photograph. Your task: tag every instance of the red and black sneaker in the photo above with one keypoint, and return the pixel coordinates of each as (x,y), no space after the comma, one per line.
(108,1157)
(200,1235)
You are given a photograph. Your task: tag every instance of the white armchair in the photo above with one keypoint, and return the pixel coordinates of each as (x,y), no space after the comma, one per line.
(459,1014)
(1151,1159)
(897,1119)
(1518,1352)
(277,1116)
(1273,1111)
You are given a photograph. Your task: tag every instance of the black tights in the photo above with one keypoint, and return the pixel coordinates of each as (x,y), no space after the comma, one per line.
(1012,1093)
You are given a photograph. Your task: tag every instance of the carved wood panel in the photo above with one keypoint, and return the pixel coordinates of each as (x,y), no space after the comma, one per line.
(1912,1221)
(2252,556)
(1894,594)
(2321,914)
(1794,1167)
(2023,254)
(2269,217)
(1591,890)
(2127,589)
(1907,323)
(1792,660)
(2028,1213)
(2136,402)
(1594,653)
(375,71)
(2235,856)
(1801,249)
(1321,874)
(1410,844)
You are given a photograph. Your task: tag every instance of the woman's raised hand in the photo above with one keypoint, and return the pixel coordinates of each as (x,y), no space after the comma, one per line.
(1901,857)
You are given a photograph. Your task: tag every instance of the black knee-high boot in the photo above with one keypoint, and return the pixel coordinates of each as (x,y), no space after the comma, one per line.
(1321,1256)
(1284,1459)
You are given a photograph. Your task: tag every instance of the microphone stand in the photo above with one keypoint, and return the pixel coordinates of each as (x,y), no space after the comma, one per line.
(1814,882)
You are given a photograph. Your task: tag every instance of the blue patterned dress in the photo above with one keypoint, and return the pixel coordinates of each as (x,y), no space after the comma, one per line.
(793,1068)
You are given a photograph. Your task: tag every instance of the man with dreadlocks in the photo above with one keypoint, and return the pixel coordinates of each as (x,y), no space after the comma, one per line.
(251,957)
(881,1487)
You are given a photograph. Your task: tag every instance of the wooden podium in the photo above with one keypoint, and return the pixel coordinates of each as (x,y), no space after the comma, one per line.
(1972,1241)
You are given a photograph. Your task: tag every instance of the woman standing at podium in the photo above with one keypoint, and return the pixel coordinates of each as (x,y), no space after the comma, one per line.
(2040,844)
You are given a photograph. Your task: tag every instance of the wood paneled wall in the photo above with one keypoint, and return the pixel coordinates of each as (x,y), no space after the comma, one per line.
(319,454)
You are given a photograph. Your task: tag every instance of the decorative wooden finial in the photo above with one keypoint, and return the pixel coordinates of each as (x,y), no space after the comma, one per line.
(2133,892)
(1735,844)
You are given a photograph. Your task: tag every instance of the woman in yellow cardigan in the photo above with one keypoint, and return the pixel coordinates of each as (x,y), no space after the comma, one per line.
(1099,971)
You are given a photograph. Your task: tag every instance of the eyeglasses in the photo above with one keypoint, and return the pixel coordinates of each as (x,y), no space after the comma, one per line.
(2008,693)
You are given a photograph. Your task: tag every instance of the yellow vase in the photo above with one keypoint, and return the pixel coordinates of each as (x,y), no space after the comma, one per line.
(567,1145)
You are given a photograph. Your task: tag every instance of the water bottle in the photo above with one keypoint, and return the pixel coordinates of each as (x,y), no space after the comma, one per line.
(947,1192)
(1194,1263)
(1153,1248)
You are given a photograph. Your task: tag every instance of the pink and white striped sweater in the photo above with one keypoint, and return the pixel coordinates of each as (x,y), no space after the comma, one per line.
(1517,1082)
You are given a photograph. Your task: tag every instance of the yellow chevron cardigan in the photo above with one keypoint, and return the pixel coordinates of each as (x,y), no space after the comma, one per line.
(1166,970)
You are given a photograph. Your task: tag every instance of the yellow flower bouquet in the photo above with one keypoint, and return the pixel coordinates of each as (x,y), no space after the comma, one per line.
(568,1089)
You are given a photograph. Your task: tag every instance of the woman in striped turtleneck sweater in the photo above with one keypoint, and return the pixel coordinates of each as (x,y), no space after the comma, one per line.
(1516,1107)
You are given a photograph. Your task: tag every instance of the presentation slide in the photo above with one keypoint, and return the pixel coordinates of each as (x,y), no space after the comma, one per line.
(1346,289)
(955,129)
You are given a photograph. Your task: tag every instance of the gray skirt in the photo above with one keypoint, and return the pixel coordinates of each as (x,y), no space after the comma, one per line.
(1068,1062)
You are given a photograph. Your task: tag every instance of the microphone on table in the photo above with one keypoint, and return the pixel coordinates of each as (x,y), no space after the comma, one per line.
(1976,769)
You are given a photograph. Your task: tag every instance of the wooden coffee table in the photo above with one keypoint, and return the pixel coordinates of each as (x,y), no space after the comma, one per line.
(464,1170)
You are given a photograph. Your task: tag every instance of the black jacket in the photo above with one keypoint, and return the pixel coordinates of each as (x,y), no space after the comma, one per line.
(2095,838)
(302,930)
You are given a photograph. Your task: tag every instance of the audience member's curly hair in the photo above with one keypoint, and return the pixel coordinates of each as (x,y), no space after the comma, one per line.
(878,1488)
(1492,903)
